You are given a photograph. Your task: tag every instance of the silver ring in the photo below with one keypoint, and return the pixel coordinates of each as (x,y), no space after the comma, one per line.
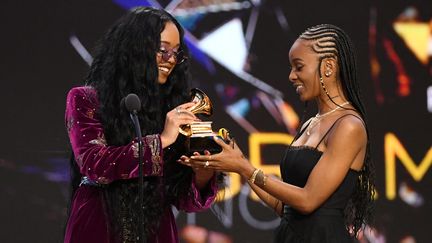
(207,163)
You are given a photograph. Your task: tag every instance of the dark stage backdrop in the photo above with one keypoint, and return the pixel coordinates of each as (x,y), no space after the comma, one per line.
(239,53)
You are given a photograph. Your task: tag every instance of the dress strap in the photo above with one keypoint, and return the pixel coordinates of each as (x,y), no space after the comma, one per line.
(300,133)
(334,123)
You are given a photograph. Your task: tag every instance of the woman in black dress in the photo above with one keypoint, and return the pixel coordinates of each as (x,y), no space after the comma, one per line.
(327,190)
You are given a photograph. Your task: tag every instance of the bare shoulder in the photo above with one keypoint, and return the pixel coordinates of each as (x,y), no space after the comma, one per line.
(350,126)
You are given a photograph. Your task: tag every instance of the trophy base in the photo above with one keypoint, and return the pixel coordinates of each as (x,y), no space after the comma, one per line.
(201,144)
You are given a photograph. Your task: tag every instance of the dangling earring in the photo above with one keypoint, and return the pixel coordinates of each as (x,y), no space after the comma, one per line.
(323,86)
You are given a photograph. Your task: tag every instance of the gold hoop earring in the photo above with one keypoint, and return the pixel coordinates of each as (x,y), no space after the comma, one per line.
(323,86)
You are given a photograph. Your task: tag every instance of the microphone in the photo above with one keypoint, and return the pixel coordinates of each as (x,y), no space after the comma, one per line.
(133,105)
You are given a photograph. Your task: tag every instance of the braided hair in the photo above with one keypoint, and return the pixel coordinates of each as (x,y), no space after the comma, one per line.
(329,41)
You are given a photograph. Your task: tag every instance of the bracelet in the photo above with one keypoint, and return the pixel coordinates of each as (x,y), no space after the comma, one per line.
(253,176)
(260,179)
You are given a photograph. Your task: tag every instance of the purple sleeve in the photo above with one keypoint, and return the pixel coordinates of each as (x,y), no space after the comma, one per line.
(97,160)
(198,200)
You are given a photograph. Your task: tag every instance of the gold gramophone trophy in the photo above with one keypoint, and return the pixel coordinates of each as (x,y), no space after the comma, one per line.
(199,135)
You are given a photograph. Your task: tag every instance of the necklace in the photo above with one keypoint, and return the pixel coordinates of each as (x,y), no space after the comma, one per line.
(317,118)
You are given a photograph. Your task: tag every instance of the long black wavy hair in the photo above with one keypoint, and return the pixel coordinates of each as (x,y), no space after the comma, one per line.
(125,62)
(329,41)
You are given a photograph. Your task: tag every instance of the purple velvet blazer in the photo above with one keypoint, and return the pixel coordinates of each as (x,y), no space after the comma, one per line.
(103,164)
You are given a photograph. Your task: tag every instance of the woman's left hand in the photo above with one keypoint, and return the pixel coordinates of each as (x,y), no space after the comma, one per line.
(202,175)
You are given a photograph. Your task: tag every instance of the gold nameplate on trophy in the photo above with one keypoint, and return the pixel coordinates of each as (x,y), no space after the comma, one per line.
(200,134)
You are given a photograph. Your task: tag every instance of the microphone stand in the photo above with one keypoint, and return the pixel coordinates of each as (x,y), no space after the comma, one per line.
(137,126)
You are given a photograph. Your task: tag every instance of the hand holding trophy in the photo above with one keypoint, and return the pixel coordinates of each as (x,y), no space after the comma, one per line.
(200,134)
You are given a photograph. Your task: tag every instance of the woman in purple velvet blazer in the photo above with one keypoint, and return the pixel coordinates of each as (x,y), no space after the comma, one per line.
(143,53)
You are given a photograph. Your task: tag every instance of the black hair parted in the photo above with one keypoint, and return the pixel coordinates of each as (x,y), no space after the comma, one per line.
(125,62)
(330,41)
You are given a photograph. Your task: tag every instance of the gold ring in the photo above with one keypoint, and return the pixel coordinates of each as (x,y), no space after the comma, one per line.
(207,163)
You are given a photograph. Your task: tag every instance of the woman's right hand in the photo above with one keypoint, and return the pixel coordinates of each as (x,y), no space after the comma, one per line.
(181,115)
(231,159)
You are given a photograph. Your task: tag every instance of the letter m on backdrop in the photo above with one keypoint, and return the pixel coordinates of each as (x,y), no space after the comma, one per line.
(394,149)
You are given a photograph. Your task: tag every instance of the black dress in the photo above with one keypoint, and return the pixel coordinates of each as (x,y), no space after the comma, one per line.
(326,223)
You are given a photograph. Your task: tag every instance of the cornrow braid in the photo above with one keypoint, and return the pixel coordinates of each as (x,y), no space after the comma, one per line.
(329,41)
